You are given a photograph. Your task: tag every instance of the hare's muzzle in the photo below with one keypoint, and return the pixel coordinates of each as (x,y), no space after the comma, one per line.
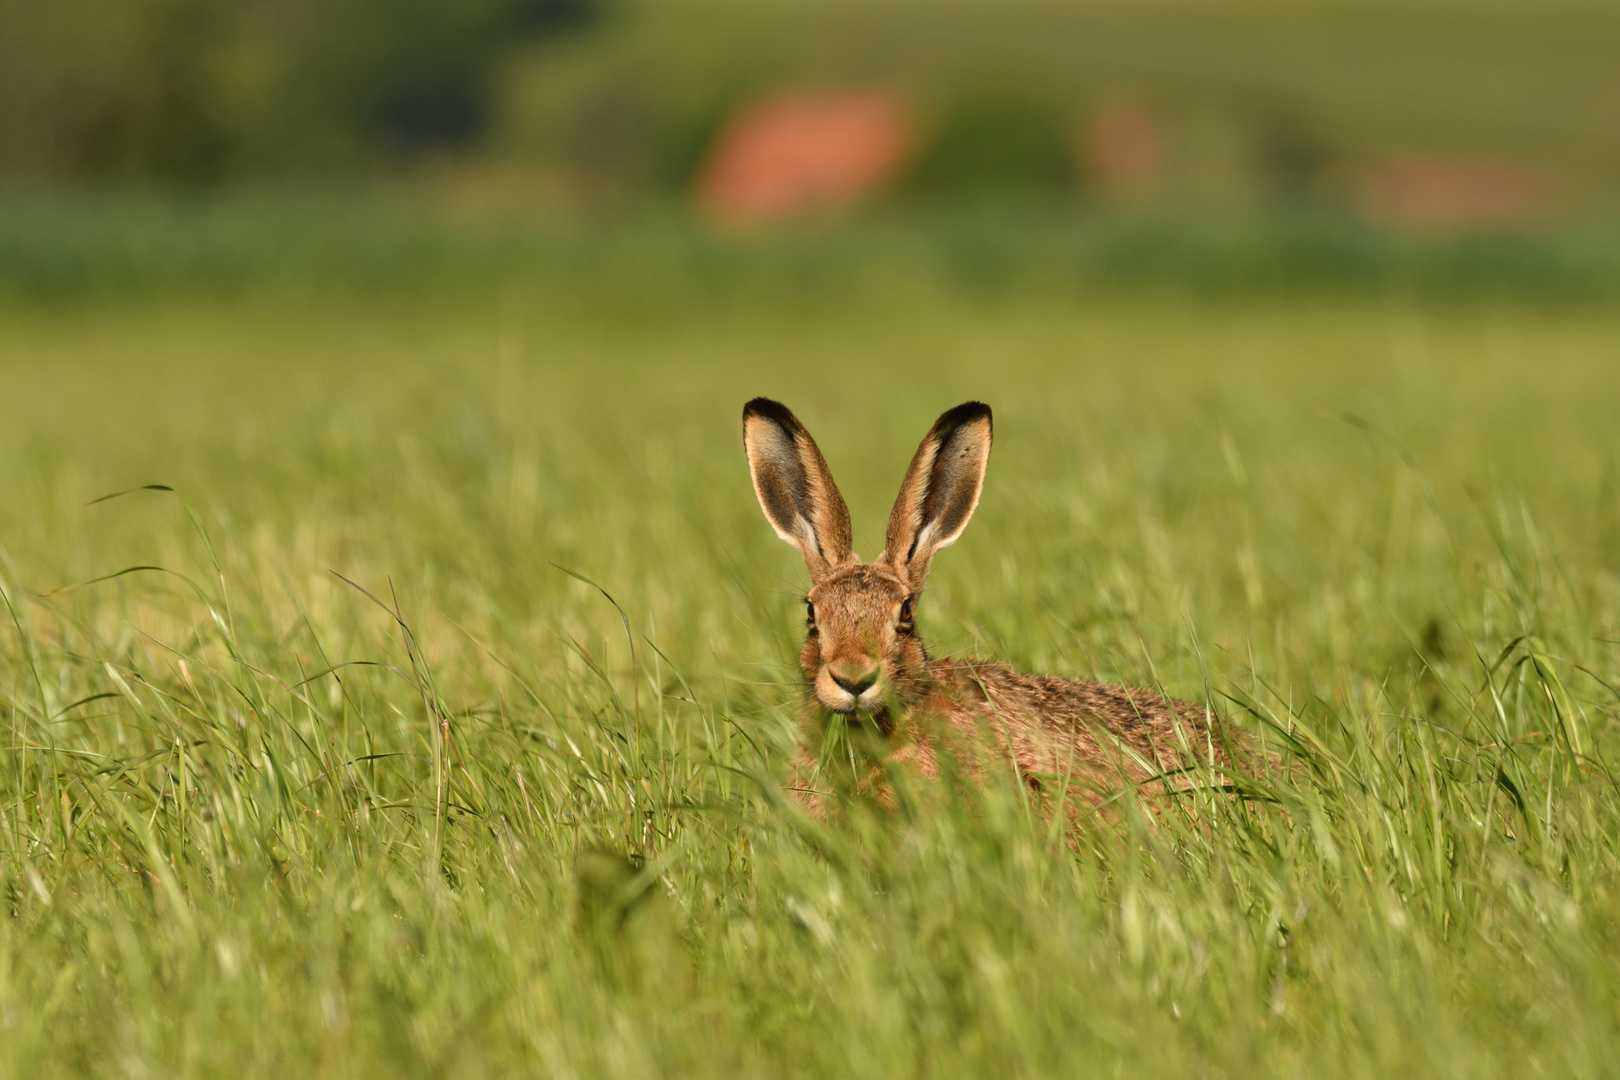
(848,687)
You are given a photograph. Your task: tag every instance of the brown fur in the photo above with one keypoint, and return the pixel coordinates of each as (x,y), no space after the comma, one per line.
(866,668)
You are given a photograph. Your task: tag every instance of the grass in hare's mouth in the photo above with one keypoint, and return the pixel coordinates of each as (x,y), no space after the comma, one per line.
(255,821)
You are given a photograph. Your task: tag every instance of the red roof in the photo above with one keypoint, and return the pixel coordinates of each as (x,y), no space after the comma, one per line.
(794,154)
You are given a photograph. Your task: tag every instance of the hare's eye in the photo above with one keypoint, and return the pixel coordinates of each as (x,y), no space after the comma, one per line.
(809,614)
(905,610)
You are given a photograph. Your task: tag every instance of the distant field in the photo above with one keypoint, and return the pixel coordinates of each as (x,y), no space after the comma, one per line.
(411,239)
(254,821)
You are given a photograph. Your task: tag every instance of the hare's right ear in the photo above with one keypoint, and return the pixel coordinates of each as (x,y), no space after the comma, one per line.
(794,487)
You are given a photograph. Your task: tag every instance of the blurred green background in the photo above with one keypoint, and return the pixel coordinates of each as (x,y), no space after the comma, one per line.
(1264,97)
(1429,147)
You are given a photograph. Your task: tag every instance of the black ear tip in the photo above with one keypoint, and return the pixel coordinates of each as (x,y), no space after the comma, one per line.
(966,413)
(768,409)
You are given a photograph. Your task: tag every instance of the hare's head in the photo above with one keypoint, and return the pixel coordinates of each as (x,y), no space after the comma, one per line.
(862,649)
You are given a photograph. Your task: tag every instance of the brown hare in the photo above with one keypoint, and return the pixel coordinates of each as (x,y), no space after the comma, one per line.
(867,670)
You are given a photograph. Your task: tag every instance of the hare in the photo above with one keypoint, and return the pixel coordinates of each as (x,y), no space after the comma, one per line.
(866,668)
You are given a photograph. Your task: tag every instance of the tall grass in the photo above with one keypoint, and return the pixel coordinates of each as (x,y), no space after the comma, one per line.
(326,761)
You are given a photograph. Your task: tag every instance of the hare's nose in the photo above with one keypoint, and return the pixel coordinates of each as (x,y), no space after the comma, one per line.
(858,684)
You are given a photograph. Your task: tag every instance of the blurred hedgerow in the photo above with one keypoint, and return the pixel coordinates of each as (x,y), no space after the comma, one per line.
(195,91)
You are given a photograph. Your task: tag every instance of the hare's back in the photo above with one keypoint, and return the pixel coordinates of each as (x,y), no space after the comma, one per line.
(1052,722)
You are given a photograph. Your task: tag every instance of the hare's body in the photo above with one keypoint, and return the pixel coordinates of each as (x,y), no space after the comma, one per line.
(1056,730)
(867,671)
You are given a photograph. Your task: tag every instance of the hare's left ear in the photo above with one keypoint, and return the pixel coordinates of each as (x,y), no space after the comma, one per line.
(940,491)
(795,488)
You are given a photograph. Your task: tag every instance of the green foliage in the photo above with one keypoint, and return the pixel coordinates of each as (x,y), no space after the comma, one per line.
(1259,101)
(443,815)
(196,91)
(998,143)
(373,244)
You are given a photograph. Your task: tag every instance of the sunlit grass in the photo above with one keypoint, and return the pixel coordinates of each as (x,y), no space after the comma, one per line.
(432,816)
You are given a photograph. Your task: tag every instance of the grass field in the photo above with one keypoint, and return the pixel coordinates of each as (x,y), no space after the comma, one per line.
(434,817)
